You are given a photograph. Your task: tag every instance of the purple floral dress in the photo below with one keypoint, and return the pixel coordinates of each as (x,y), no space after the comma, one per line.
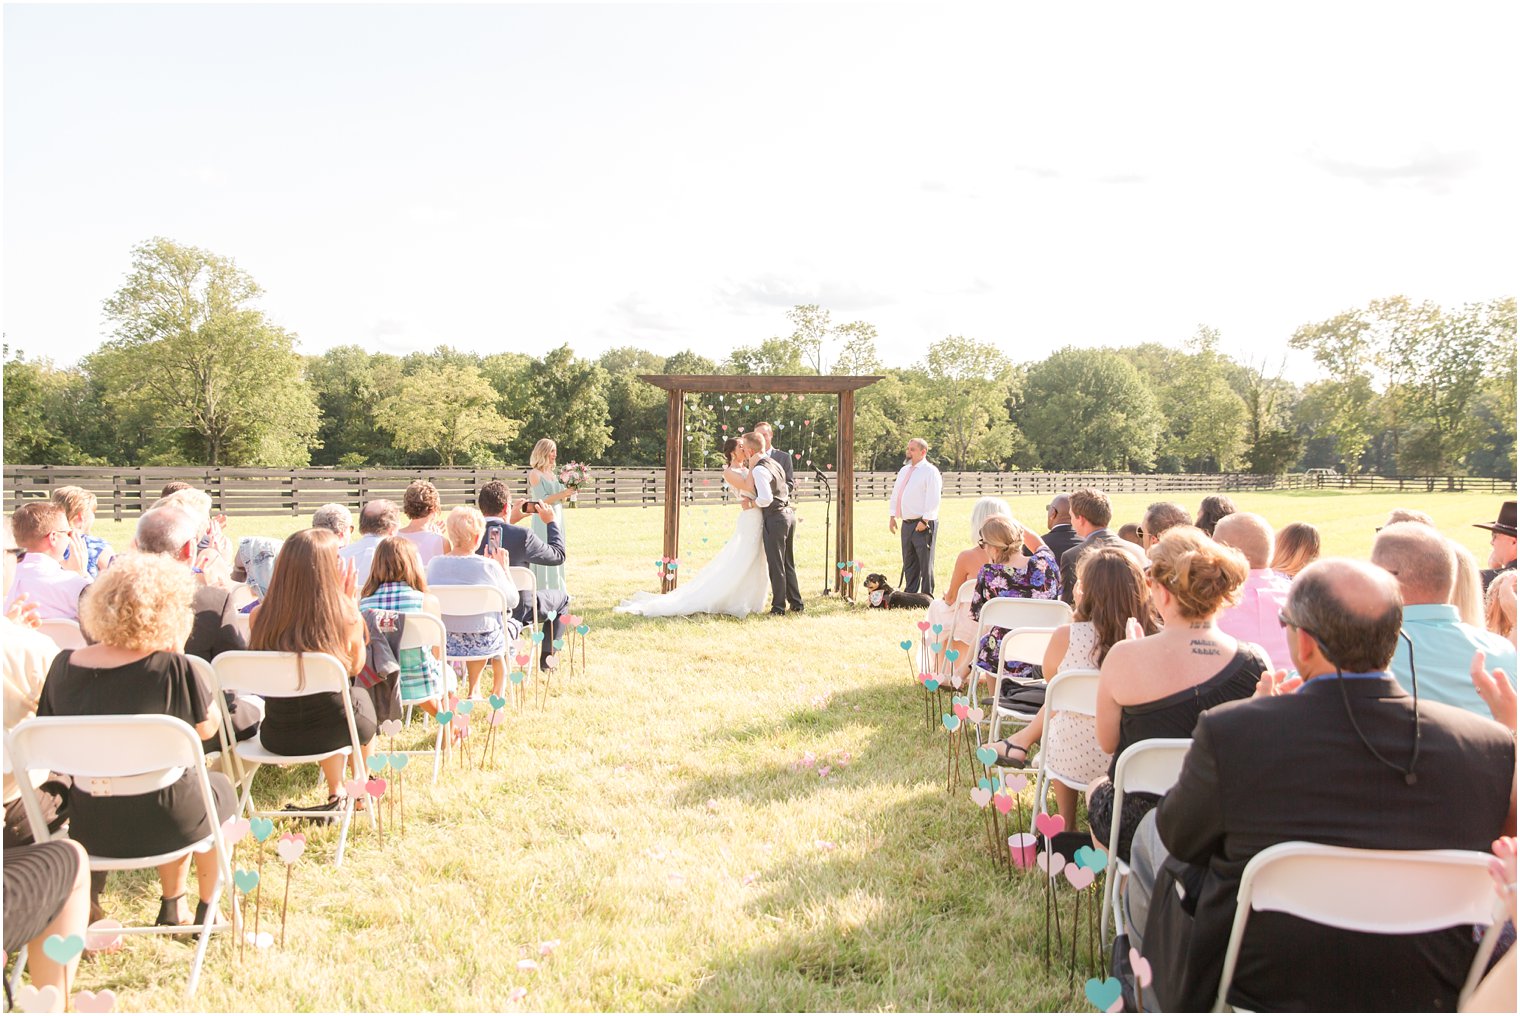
(1040,579)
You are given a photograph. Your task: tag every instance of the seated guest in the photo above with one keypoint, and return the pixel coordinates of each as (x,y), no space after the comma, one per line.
(1443,645)
(174,486)
(336,519)
(47,895)
(377,520)
(1018,565)
(214,552)
(479,635)
(172,533)
(1160,517)
(1297,548)
(396,583)
(1156,686)
(1110,590)
(1130,532)
(1496,992)
(1501,556)
(1090,516)
(27,654)
(1262,595)
(310,608)
(253,566)
(139,611)
(1351,772)
(952,611)
(79,505)
(1061,537)
(1397,515)
(1499,607)
(425,529)
(51,585)
(1211,510)
(1467,586)
(524,549)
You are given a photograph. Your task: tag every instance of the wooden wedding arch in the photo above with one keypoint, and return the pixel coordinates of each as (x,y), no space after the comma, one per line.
(677,385)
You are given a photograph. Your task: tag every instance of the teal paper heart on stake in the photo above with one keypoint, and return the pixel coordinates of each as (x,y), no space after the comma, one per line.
(377,763)
(1092,858)
(932,684)
(984,784)
(905,644)
(399,761)
(60,949)
(986,756)
(246,881)
(498,701)
(262,828)
(952,655)
(444,717)
(538,636)
(559,643)
(938,628)
(517,677)
(951,721)
(467,707)
(1104,993)
(936,646)
(583,628)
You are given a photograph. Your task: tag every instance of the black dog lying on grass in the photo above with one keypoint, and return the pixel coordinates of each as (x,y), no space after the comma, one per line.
(879,594)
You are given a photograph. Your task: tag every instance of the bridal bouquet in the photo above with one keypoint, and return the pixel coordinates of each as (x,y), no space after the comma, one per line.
(572,475)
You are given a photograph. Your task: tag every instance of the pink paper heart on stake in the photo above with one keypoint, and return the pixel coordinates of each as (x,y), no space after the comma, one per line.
(376,787)
(1049,826)
(981,798)
(234,829)
(1003,803)
(1079,877)
(961,711)
(95,1001)
(30,998)
(547,948)
(1042,861)
(1142,968)
(522,661)
(975,715)
(923,626)
(498,718)
(1014,784)
(355,789)
(290,849)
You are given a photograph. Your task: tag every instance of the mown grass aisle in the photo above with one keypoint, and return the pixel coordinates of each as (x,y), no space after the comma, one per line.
(720,815)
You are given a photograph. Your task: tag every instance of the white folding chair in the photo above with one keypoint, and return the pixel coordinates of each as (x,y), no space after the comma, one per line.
(241,595)
(64,633)
(426,632)
(1147,767)
(1381,892)
(225,735)
(527,587)
(279,675)
(468,601)
(1020,645)
(1073,692)
(125,755)
(1009,612)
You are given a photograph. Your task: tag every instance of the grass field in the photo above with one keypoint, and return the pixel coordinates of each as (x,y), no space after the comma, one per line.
(658,822)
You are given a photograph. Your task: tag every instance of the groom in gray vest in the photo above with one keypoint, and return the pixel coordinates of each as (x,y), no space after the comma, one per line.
(773,498)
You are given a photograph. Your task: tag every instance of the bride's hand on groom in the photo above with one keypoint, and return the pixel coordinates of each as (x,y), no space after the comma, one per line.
(746,503)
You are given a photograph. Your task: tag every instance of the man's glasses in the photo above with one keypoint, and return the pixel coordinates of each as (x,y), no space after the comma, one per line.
(1140,531)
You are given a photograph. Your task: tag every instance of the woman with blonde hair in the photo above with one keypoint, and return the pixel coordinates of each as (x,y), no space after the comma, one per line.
(545,488)
(138,612)
(1018,564)
(1467,588)
(1157,685)
(952,611)
(1499,608)
(310,609)
(485,636)
(1296,548)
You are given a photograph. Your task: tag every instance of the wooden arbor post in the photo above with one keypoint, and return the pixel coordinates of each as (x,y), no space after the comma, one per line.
(677,385)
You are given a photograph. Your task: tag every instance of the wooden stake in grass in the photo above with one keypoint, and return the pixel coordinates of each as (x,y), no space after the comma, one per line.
(258,895)
(1076,933)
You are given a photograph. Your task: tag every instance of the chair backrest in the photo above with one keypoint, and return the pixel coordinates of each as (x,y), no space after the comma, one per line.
(1025,645)
(523,579)
(64,633)
(424,631)
(241,595)
(278,675)
(1150,767)
(1382,892)
(468,601)
(104,746)
(1072,691)
(1017,612)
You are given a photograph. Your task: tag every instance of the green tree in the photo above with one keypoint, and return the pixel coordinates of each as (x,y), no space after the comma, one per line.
(570,406)
(448,410)
(1091,409)
(635,409)
(44,406)
(349,383)
(217,380)
(969,385)
(1446,377)
(1205,418)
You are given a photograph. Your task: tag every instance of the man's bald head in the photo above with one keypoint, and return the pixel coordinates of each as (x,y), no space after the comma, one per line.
(1352,609)
(1420,558)
(1248,533)
(1058,511)
(168,530)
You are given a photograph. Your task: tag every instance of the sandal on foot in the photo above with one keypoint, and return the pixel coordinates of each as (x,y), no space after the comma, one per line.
(1006,760)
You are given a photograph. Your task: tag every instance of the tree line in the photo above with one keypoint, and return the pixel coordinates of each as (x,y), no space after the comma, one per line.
(194,374)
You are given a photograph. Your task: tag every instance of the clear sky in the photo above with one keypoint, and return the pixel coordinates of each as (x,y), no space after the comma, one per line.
(672,177)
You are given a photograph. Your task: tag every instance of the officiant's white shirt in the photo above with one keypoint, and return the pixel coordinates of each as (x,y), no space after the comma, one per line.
(915,495)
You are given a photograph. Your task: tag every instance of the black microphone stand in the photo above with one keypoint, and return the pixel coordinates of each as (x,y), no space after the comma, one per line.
(828,505)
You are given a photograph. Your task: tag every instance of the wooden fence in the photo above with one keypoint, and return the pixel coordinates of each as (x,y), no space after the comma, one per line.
(125,491)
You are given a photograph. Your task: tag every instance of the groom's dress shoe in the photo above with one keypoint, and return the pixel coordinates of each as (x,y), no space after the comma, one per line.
(799,609)
(778,613)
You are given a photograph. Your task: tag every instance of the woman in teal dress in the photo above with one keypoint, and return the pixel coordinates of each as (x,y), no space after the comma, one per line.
(544,486)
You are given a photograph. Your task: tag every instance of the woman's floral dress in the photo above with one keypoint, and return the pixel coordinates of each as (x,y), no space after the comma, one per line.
(1039,579)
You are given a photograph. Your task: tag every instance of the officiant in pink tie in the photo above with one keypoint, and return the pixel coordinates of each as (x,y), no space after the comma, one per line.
(915,503)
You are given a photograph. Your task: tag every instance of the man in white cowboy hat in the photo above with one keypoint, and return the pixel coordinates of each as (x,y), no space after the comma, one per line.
(1502,539)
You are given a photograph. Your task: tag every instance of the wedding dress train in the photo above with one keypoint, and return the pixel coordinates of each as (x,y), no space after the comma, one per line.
(734,582)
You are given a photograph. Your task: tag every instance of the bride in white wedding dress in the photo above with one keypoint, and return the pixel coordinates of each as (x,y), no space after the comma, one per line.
(735,581)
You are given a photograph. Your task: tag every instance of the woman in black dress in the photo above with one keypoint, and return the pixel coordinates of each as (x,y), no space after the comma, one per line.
(312,607)
(139,611)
